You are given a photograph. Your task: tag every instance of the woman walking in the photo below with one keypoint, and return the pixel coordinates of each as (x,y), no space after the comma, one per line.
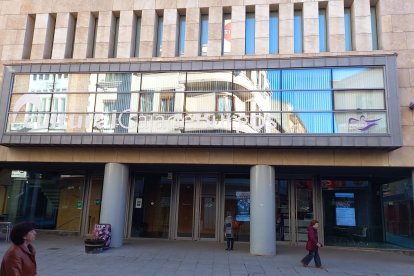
(313,245)
(19,259)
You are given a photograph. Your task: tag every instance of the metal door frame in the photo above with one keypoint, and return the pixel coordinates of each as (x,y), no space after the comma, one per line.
(197,182)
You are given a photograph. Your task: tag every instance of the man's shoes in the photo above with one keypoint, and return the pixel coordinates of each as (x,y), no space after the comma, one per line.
(227,249)
(321,267)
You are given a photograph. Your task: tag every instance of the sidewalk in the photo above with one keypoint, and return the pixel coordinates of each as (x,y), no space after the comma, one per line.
(65,255)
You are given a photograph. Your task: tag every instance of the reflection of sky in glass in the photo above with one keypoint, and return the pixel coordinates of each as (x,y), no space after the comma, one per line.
(250,33)
(274,33)
(303,91)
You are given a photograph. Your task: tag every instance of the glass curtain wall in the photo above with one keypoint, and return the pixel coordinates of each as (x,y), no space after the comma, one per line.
(322,100)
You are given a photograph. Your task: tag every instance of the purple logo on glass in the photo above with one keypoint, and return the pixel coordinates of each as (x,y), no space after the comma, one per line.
(362,124)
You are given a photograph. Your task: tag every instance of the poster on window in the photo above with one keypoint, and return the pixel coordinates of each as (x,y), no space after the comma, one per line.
(243,206)
(345,209)
(227,35)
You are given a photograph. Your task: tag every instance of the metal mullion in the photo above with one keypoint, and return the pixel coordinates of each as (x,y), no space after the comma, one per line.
(94,105)
(51,102)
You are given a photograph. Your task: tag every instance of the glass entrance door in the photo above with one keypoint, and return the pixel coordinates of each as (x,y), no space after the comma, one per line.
(294,209)
(197,207)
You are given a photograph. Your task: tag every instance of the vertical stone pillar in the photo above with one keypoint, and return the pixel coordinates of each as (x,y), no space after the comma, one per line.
(262,30)
(103,34)
(238,30)
(361,18)
(192,32)
(125,34)
(81,35)
(148,33)
(286,28)
(310,27)
(13,40)
(336,26)
(170,34)
(215,31)
(39,36)
(262,210)
(60,37)
(114,196)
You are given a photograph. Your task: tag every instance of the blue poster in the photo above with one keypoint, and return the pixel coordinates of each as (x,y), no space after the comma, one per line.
(345,209)
(243,206)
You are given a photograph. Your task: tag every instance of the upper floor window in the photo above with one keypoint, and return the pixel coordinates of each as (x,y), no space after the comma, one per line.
(250,33)
(274,32)
(136,36)
(203,35)
(226,41)
(374,29)
(348,29)
(167,102)
(181,35)
(298,32)
(160,29)
(322,30)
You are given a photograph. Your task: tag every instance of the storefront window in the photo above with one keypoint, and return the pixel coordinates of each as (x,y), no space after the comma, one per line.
(51,201)
(151,206)
(352,215)
(237,201)
(399,213)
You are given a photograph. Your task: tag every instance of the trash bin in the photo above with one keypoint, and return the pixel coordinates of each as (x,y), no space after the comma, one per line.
(102,231)
(93,246)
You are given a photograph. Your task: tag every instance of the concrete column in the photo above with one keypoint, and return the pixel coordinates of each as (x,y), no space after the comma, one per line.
(60,37)
(215,31)
(262,210)
(286,28)
(262,30)
(192,32)
(146,47)
(81,35)
(170,33)
(39,36)
(103,34)
(336,26)
(238,29)
(125,34)
(310,27)
(361,18)
(114,196)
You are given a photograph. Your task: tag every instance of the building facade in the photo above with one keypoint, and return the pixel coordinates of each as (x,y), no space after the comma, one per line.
(158,117)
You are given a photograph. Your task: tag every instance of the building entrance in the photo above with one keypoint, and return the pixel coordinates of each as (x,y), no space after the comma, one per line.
(294,208)
(197,208)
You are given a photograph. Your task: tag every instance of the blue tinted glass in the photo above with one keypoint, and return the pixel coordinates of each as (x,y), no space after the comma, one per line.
(305,100)
(250,33)
(204,34)
(274,33)
(374,28)
(273,77)
(181,38)
(306,79)
(159,36)
(298,32)
(322,30)
(348,29)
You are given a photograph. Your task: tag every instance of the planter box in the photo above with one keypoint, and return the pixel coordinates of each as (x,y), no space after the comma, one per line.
(93,246)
